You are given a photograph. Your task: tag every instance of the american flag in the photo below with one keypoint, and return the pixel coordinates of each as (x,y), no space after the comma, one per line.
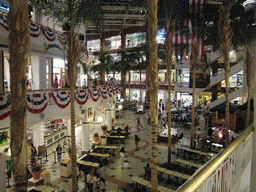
(182,39)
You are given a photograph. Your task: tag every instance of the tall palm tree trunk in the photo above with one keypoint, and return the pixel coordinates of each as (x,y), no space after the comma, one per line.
(122,84)
(249,70)
(129,84)
(168,61)
(19,40)
(153,96)
(140,86)
(225,32)
(73,53)
(193,68)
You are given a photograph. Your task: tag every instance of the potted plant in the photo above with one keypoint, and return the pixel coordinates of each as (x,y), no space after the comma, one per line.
(96,137)
(36,171)
(69,152)
(104,129)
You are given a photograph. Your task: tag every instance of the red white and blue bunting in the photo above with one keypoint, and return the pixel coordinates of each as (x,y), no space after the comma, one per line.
(95,94)
(5,106)
(49,33)
(182,61)
(82,96)
(60,37)
(104,92)
(35,30)
(3,21)
(110,91)
(61,98)
(37,102)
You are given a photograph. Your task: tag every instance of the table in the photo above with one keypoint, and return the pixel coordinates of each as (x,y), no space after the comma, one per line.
(136,179)
(100,155)
(113,137)
(162,189)
(188,163)
(108,147)
(185,176)
(32,182)
(43,188)
(162,170)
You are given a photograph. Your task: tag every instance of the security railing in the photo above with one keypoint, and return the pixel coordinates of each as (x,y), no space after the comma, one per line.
(230,170)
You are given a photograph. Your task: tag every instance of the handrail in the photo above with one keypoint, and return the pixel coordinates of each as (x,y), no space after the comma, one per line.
(199,177)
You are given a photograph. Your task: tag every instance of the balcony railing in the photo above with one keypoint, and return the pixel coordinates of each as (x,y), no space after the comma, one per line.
(228,171)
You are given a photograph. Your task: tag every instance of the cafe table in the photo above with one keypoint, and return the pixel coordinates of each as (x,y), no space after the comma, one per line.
(48,189)
(161,170)
(95,165)
(162,189)
(185,176)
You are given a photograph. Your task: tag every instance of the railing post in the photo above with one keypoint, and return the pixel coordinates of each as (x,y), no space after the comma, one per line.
(54,157)
(46,156)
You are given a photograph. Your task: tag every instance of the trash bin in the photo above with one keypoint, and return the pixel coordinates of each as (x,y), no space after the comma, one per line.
(103,140)
(65,169)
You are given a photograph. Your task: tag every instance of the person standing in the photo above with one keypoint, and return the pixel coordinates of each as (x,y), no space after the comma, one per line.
(33,151)
(84,83)
(102,174)
(139,125)
(122,155)
(137,139)
(59,151)
(90,180)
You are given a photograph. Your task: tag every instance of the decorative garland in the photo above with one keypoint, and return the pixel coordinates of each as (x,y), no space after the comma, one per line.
(35,30)
(49,33)
(104,92)
(110,91)
(82,96)
(3,21)
(5,106)
(37,102)
(95,94)
(61,98)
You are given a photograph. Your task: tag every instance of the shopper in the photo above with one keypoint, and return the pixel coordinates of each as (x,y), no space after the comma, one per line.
(139,124)
(137,139)
(33,151)
(59,151)
(147,172)
(102,174)
(90,181)
(122,157)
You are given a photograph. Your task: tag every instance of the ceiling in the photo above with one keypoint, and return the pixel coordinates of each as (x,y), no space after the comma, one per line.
(118,16)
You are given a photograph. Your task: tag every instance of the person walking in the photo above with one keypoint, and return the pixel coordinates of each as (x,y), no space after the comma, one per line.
(137,139)
(90,180)
(122,155)
(59,151)
(139,125)
(102,174)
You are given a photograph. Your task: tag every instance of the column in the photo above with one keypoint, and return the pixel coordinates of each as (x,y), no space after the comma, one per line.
(85,137)
(1,71)
(109,118)
(2,174)
(38,64)
(68,127)
(38,137)
(113,116)
(253,163)
(50,72)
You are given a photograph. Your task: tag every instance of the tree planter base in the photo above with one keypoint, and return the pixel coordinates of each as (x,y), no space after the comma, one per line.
(36,175)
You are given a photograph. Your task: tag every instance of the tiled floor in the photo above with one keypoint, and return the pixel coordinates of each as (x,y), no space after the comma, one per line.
(116,177)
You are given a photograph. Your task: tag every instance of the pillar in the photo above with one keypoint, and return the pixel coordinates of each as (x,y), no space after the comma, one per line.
(50,72)
(38,72)
(85,137)
(68,127)
(109,118)
(253,163)
(2,174)
(113,116)
(1,71)
(38,137)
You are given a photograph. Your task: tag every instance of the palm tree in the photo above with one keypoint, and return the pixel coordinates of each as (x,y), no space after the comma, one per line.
(71,13)
(193,69)
(249,73)
(153,96)
(19,41)
(225,33)
(105,63)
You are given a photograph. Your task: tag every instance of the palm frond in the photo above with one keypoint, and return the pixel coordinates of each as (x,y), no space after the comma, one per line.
(49,46)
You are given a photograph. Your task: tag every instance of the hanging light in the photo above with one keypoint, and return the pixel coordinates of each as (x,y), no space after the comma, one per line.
(122,100)
(100,119)
(120,107)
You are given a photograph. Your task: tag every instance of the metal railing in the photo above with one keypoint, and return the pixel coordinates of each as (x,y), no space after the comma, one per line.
(228,171)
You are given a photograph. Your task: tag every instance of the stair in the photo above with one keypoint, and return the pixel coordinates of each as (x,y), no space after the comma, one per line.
(232,95)
(234,69)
